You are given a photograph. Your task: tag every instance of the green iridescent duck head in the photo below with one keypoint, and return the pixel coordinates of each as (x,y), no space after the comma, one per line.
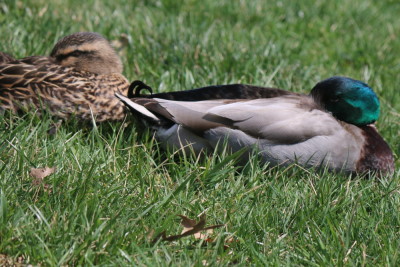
(348,100)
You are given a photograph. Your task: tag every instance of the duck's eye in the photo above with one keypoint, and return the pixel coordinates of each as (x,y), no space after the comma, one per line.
(75,53)
(334,99)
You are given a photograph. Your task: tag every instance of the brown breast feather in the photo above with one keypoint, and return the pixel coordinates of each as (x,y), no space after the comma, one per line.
(376,155)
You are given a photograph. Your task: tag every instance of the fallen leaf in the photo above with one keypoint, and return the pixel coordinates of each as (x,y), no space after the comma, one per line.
(41,173)
(190,227)
(187,223)
(205,236)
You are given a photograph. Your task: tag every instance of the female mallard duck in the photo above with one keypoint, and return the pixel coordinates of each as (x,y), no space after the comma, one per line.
(79,78)
(331,127)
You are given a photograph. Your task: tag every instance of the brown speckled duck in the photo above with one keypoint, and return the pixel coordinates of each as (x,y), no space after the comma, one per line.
(332,127)
(79,78)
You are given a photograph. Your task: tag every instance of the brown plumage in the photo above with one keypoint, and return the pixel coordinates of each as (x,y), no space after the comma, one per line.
(79,79)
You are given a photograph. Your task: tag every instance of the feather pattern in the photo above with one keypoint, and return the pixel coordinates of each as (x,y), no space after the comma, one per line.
(45,83)
(4,57)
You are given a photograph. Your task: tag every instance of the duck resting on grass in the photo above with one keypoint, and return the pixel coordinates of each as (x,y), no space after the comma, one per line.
(332,127)
(79,78)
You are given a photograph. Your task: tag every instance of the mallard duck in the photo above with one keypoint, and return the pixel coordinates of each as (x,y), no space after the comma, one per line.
(332,127)
(4,57)
(79,79)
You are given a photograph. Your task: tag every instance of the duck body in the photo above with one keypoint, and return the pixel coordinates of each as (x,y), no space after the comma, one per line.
(282,129)
(75,80)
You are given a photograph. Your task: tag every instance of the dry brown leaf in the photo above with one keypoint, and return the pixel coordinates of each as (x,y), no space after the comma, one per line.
(187,223)
(191,227)
(41,173)
(205,236)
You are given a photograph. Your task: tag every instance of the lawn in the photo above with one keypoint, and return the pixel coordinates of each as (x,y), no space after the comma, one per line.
(114,190)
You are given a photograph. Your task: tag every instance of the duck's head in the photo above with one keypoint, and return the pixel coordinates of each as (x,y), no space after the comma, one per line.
(87,51)
(348,100)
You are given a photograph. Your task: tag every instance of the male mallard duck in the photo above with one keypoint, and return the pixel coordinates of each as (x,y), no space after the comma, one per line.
(331,127)
(79,78)
(4,57)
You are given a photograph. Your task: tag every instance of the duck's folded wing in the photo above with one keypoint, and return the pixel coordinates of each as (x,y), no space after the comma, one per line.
(35,81)
(288,119)
(191,115)
(21,72)
(229,91)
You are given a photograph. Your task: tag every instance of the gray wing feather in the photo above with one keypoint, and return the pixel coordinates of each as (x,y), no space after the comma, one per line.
(281,119)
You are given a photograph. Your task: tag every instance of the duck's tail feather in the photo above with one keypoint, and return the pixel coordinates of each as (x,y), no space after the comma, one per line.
(138,109)
(136,87)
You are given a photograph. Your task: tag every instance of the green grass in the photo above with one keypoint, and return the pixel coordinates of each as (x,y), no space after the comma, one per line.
(114,186)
